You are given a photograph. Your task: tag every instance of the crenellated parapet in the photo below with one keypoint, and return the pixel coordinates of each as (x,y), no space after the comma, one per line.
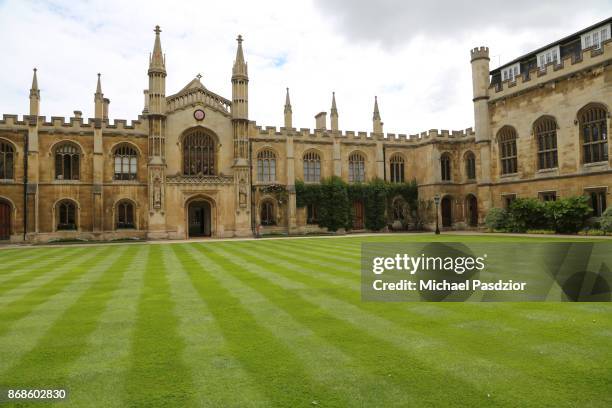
(272,133)
(75,124)
(570,65)
(479,53)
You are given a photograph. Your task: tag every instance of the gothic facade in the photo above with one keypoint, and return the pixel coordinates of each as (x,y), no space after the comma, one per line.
(194,164)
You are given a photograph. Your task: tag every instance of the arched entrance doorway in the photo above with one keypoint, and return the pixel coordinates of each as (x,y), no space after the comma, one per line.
(359,215)
(5,220)
(199,219)
(447,211)
(472,210)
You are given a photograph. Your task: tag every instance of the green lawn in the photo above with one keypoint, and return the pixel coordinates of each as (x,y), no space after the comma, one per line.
(279,323)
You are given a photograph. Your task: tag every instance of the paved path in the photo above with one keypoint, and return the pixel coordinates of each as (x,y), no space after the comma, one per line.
(371,234)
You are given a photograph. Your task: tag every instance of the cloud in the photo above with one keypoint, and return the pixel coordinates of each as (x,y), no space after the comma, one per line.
(391,22)
(415,57)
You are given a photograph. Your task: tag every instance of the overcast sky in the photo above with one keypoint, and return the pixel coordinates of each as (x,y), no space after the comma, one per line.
(414,55)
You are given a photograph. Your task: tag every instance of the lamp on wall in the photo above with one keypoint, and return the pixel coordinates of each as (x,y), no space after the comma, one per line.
(437,202)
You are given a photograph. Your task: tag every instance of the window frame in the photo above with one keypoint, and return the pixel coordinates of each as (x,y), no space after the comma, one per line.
(121,209)
(266,166)
(268,207)
(199,153)
(507,140)
(545,135)
(446,168)
(66,215)
(311,162)
(126,155)
(593,117)
(397,168)
(7,160)
(67,155)
(470,165)
(356,170)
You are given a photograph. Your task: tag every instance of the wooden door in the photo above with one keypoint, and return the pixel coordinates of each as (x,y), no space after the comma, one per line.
(359,215)
(5,221)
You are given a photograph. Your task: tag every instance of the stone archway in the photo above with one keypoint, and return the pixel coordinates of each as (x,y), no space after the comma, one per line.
(199,218)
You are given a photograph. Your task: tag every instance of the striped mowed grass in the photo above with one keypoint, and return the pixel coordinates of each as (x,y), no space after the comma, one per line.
(279,323)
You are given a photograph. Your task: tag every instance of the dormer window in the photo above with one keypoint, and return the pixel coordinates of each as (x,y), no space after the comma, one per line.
(511,72)
(595,37)
(551,55)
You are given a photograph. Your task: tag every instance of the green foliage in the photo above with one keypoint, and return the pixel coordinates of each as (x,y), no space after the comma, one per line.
(497,219)
(568,215)
(541,231)
(527,213)
(592,232)
(605,221)
(334,199)
(333,204)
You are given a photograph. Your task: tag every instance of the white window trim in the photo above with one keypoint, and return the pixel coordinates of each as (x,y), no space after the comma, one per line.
(547,56)
(510,72)
(586,39)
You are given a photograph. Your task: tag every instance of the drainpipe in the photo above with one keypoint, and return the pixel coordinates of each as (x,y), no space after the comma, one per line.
(384,163)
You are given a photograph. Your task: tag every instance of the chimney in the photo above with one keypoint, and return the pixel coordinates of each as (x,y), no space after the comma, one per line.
(321,121)
(105,109)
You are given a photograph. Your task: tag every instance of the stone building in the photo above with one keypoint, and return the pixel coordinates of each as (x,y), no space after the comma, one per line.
(194,164)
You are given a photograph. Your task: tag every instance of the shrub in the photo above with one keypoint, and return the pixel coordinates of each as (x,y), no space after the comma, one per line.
(568,215)
(527,213)
(497,219)
(605,221)
(375,205)
(541,231)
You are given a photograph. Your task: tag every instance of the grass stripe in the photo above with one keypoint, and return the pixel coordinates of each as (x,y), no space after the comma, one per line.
(19,260)
(98,376)
(18,276)
(319,359)
(67,338)
(157,377)
(476,345)
(377,355)
(219,379)
(274,367)
(28,319)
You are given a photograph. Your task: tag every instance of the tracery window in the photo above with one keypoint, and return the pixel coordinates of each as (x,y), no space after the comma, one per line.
(66,215)
(198,154)
(594,133)
(545,130)
(470,166)
(126,162)
(356,168)
(7,160)
(507,150)
(266,166)
(67,161)
(397,168)
(445,167)
(312,167)
(125,215)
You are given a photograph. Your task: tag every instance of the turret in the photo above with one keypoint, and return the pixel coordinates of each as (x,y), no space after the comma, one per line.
(99,101)
(334,114)
(480,85)
(376,122)
(240,85)
(157,77)
(34,96)
(288,112)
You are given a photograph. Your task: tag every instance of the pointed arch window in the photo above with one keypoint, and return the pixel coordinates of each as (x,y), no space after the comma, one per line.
(594,133)
(125,215)
(67,162)
(312,167)
(356,168)
(397,168)
(266,166)
(66,215)
(470,166)
(7,160)
(445,167)
(507,150)
(545,130)
(126,162)
(198,154)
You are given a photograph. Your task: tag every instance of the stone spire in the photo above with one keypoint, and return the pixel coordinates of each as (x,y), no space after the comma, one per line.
(240,85)
(34,96)
(157,61)
(288,112)
(240,66)
(334,114)
(99,100)
(378,125)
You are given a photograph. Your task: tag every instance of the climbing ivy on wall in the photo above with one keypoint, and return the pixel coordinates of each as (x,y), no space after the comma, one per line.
(334,198)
